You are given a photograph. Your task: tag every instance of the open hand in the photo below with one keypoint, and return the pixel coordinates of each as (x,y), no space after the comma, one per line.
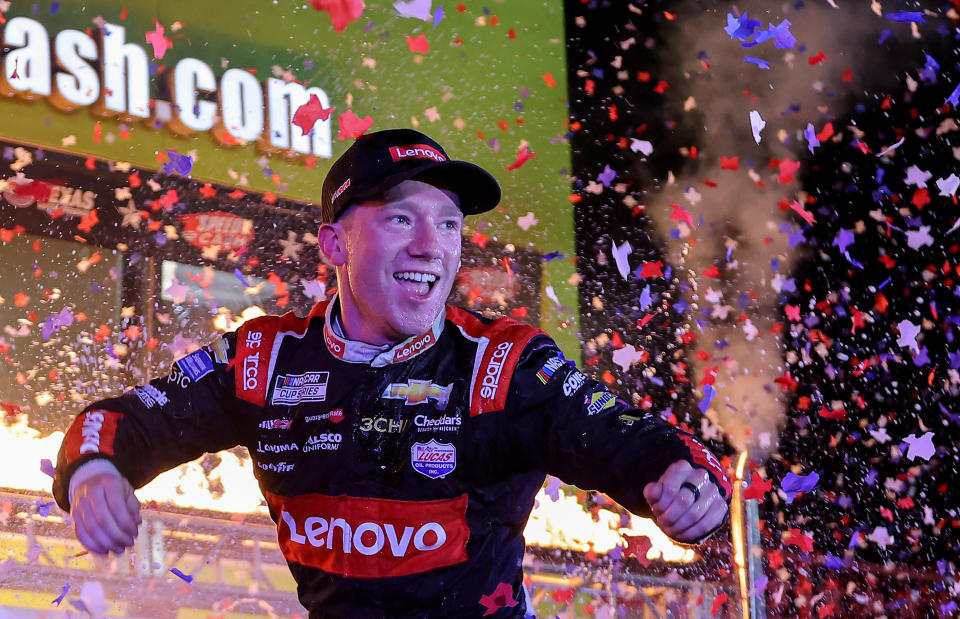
(679,512)
(106,514)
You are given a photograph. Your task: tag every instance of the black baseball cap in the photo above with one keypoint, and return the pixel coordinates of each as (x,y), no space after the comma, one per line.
(377,161)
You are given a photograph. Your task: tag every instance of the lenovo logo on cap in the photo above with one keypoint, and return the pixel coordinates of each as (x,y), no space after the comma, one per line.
(416,151)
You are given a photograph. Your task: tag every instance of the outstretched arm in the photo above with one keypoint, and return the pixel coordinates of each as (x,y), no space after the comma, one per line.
(572,427)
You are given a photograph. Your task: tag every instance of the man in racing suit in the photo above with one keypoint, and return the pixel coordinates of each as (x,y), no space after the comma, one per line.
(399,463)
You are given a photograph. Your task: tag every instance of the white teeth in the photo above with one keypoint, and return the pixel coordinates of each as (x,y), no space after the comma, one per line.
(416,277)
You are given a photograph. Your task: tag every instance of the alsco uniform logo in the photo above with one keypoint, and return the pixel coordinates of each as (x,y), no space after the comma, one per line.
(418,392)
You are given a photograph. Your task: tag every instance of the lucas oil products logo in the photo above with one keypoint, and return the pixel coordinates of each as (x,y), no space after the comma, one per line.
(418,392)
(433,459)
(491,375)
(292,389)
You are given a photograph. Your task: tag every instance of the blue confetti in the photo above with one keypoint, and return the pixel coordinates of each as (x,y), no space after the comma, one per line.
(708,394)
(915,17)
(185,577)
(794,484)
(63,593)
(760,62)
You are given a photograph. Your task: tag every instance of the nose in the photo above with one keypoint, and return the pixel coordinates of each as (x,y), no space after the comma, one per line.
(425,242)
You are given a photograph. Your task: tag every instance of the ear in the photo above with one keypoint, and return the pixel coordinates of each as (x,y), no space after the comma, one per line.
(330,240)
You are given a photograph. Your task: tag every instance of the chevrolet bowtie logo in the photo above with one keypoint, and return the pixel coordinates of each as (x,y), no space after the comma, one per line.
(419,392)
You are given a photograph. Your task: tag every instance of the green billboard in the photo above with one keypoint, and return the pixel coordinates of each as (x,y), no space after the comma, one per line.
(150,83)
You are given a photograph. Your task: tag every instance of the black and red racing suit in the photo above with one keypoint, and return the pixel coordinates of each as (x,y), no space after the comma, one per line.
(400,478)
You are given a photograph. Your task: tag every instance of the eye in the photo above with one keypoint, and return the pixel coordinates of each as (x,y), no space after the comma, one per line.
(400,219)
(451,224)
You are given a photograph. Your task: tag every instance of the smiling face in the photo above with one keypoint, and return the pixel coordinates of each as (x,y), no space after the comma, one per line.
(397,259)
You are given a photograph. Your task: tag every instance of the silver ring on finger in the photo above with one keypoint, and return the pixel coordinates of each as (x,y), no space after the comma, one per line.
(692,488)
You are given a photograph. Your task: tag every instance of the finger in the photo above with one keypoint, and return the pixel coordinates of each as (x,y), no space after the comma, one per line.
(97,541)
(713,517)
(676,474)
(681,504)
(133,504)
(106,521)
(699,509)
(119,507)
(652,492)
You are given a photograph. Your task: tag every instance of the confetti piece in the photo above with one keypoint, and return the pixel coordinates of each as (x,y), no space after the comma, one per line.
(415,9)
(159,42)
(523,155)
(342,12)
(907,16)
(177,163)
(921,447)
(794,484)
(620,257)
(309,113)
(352,126)
(502,597)
(184,577)
(63,594)
(757,124)
(418,44)
(627,356)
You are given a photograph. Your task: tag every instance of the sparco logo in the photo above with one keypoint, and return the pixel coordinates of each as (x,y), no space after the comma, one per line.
(250,371)
(90,432)
(491,376)
(421,343)
(371,538)
(253,339)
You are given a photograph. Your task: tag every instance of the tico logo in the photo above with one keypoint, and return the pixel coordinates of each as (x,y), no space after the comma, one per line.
(418,392)
(368,537)
(433,459)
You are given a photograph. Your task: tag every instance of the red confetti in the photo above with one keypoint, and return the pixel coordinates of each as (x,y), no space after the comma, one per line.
(352,126)
(309,113)
(418,44)
(342,12)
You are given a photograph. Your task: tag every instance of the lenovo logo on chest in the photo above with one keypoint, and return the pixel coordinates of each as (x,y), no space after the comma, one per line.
(371,538)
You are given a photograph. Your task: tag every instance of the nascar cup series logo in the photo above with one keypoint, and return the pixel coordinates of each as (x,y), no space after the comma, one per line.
(433,459)
(292,389)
